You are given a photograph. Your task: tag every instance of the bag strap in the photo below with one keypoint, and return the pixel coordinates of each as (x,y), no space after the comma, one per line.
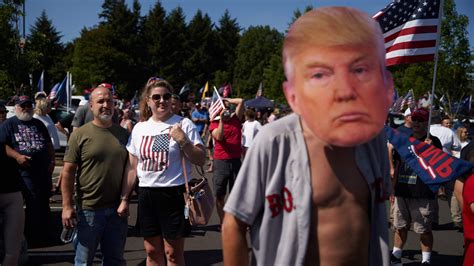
(185,173)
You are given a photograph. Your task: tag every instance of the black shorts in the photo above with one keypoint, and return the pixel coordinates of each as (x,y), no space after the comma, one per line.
(161,212)
(225,172)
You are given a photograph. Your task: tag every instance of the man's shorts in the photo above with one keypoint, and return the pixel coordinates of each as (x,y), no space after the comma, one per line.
(416,211)
(161,212)
(225,172)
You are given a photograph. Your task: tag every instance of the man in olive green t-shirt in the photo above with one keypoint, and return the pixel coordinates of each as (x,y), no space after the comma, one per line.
(97,154)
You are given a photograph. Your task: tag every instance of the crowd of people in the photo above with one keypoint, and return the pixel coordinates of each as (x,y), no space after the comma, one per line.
(302,173)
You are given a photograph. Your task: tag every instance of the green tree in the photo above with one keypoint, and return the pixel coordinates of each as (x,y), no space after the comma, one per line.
(255,49)
(273,78)
(201,62)
(228,36)
(298,13)
(453,64)
(92,58)
(44,44)
(14,73)
(175,49)
(153,30)
(454,57)
(9,51)
(112,51)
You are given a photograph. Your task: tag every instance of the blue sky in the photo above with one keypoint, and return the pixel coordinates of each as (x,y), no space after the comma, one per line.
(70,16)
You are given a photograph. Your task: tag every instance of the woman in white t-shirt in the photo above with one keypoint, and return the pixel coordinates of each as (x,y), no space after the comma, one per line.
(155,148)
(250,129)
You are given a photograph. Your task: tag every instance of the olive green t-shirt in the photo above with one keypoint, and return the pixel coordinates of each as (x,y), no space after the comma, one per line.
(101,156)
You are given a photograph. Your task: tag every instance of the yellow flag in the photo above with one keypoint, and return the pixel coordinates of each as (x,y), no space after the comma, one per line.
(206,88)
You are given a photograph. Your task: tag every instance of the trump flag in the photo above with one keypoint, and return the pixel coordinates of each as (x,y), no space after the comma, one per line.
(431,164)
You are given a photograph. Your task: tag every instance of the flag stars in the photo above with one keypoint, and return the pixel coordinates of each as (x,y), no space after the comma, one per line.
(425,4)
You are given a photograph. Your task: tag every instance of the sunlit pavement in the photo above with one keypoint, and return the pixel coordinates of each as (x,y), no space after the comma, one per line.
(203,247)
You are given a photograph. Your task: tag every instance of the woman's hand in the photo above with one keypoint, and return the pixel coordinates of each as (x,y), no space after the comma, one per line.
(178,135)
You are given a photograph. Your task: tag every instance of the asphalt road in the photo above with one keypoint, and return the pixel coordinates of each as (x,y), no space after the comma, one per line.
(203,247)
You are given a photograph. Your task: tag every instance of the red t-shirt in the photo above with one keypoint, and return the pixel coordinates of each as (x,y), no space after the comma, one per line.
(231,146)
(468,216)
(468,220)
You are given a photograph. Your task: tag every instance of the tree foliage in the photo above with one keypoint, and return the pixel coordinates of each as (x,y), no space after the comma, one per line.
(47,51)
(126,49)
(254,52)
(454,63)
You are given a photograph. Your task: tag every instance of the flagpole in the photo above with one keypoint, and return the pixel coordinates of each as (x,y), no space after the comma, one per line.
(438,42)
(219,97)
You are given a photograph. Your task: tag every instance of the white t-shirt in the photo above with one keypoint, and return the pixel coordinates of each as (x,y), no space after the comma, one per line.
(249,131)
(448,138)
(53,133)
(159,156)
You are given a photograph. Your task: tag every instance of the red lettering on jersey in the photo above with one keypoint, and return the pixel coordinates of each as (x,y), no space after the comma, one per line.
(279,202)
(274,203)
(287,200)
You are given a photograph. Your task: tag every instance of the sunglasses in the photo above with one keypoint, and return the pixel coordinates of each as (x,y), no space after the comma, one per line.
(158,97)
(26,105)
(418,120)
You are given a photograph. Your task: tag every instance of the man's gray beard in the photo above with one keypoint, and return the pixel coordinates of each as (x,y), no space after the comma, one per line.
(104,118)
(24,116)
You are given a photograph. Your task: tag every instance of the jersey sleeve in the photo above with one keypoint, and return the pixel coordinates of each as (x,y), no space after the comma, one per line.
(247,198)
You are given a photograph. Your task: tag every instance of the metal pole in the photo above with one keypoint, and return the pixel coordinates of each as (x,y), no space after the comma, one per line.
(438,41)
(24,19)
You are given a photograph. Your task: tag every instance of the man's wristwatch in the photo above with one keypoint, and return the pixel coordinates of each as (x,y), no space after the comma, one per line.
(123,198)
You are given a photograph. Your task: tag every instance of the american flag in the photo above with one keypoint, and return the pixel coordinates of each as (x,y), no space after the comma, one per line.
(409,100)
(410,29)
(52,93)
(397,106)
(216,106)
(154,151)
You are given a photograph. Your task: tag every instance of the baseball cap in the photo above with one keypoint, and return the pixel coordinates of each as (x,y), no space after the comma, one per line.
(420,114)
(40,94)
(23,99)
(105,85)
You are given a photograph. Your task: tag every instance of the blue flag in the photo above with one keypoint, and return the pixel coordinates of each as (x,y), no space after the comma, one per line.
(61,95)
(431,164)
(40,85)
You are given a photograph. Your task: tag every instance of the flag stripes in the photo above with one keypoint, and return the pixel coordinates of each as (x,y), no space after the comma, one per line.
(410,29)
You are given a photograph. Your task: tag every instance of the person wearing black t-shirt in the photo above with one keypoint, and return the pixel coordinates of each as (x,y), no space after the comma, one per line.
(11,206)
(414,201)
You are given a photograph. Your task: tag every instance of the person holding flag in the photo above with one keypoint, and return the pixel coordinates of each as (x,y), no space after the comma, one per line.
(226,131)
(414,200)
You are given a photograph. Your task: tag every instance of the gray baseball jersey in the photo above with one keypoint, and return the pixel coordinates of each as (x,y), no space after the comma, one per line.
(272,194)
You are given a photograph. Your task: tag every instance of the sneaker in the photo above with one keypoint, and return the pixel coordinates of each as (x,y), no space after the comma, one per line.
(426,263)
(394,261)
